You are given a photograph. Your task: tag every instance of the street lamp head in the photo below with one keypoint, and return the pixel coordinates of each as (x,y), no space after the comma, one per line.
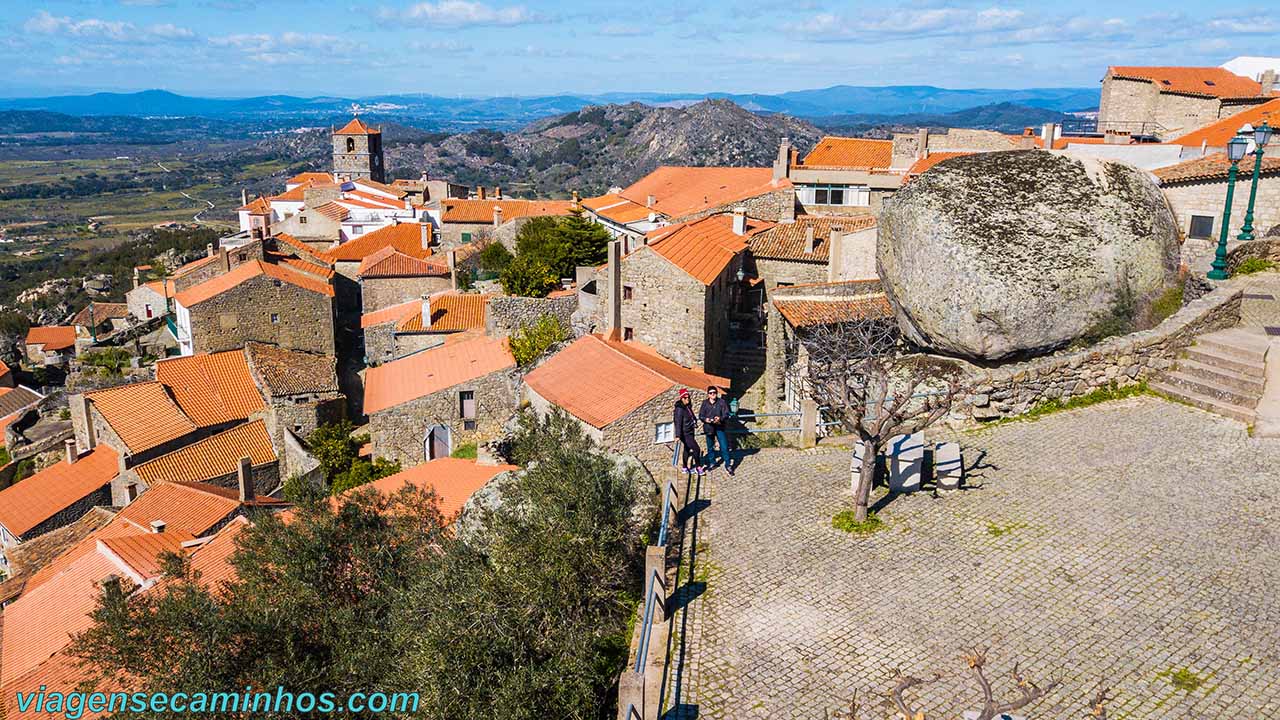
(1262,134)
(1237,147)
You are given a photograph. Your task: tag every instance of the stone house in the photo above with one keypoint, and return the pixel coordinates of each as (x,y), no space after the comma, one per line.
(622,393)
(56,496)
(416,240)
(389,277)
(1213,138)
(357,152)
(795,309)
(216,460)
(301,391)
(671,195)
(840,176)
(409,327)
(97,320)
(813,249)
(259,302)
(150,299)
(678,290)
(469,220)
(1197,192)
(1165,102)
(423,406)
(217,261)
(50,345)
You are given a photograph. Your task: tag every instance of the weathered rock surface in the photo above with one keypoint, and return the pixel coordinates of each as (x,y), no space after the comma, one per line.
(1021,252)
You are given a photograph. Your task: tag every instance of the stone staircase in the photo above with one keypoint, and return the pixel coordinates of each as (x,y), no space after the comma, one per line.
(1224,373)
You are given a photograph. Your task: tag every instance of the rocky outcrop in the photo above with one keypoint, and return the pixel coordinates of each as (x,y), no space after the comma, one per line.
(1022,252)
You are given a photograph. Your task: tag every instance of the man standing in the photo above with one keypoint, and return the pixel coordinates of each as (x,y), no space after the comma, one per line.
(713,413)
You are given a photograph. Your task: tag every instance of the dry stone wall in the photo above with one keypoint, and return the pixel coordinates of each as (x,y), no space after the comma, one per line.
(508,312)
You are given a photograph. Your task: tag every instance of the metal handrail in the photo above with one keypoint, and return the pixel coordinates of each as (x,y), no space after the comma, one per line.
(646,627)
(740,415)
(632,712)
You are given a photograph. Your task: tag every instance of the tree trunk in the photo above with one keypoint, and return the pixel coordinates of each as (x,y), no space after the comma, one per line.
(862,494)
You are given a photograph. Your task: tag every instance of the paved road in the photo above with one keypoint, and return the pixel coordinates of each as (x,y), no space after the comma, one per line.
(1134,542)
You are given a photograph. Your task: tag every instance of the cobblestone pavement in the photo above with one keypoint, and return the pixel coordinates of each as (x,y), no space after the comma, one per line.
(1260,306)
(1133,542)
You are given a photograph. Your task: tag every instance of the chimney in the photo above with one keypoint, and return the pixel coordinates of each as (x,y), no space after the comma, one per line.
(137,277)
(497,216)
(739,221)
(649,201)
(1046,135)
(244,478)
(480,192)
(497,192)
(424,177)
(408,204)
(922,143)
(782,164)
(615,287)
(426,312)
(1268,81)
(73,453)
(426,234)
(835,255)
(453,269)
(224,258)
(808,239)
(90,437)
(244,197)
(208,249)
(157,526)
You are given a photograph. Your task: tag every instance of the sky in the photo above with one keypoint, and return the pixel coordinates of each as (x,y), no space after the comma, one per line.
(478,48)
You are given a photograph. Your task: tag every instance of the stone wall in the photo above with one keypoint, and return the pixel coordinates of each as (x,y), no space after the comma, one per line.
(379,293)
(789,272)
(1207,198)
(301,415)
(633,434)
(398,432)
(303,319)
(774,206)
(71,513)
(1012,389)
(451,234)
(140,297)
(219,265)
(508,312)
(667,309)
(1264,249)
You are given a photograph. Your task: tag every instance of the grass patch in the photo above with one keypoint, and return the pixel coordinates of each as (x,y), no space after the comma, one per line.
(1253,265)
(1107,393)
(845,520)
(1183,679)
(1169,302)
(995,530)
(752,441)
(467,451)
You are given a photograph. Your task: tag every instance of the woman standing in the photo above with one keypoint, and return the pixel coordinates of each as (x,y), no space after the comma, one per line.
(685,424)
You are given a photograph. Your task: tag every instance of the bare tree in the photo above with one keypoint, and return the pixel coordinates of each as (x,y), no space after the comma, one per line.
(869,382)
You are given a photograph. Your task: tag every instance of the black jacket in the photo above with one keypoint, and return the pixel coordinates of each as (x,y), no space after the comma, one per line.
(685,423)
(717,409)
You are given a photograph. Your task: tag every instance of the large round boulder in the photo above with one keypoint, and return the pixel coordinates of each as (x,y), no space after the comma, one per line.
(1016,253)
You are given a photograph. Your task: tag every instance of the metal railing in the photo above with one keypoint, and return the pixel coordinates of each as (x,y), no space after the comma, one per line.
(653,594)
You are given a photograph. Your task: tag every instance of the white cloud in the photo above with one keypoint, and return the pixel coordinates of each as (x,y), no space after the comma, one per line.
(621,30)
(264,42)
(45,23)
(463,13)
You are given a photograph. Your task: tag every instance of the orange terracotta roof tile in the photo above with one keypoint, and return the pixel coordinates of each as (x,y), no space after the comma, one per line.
(213,457)
(600,382)
(390,262)
(454,481)
(702,248)
(846,152)
(786,241)
(292,372)
(617,208)
(317,178)
(16,399)
(1218,134)
(391,314)
(212,388)
(27,503)
(320,272)
(140,552)
(258,206)
(450,312)
(405,237)
(53,337)
(333,211)
(681,191)
(923,164)
(298,247)
(1213,167)
(357,127)
(102,312)
(807,312)
(481,211)
(1203,81)
(141,414)
(165,288)
(377,187)
(215,286)
(186,507)
(433,370)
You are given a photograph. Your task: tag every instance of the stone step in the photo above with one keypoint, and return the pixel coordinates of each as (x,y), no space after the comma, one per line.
(1211,388)
(1237,342)
(1204,402)
(1247,383)
(1219,359)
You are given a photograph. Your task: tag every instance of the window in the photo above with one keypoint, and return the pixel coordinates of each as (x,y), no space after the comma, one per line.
(132,491)
(467,409)
(357,229)
(275,318)
(628,333)
(148,309)
(302,219)
(466,237)
(664,432)
(851,195)
(242,257)
(351,144)
(628,292)
(1201,227)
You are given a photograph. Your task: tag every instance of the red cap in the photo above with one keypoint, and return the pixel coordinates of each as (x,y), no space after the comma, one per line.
(684,392)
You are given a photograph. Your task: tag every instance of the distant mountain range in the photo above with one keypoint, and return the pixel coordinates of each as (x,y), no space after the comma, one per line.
(840,100)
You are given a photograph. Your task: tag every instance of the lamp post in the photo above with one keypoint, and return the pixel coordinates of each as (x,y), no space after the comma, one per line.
(1235,151)
(1261,136)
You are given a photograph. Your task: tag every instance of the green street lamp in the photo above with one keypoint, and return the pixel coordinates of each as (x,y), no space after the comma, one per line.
(1261,136)
(1235,152)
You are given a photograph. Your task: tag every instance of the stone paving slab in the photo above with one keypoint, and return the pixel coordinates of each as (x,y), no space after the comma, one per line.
(1124,542)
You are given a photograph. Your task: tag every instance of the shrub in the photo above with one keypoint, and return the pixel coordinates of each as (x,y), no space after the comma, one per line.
(528,276)
(531,342)
(495,258)
(1253,265)
(339,454)
(109,361)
